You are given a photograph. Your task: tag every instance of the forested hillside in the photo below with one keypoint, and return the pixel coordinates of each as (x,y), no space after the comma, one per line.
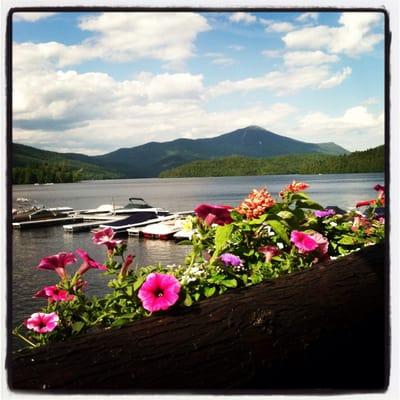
(359,161)
(30,165)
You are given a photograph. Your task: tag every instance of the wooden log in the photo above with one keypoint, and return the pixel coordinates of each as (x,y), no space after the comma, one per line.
(319,328)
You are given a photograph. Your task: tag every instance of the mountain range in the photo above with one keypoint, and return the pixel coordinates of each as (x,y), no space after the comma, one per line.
(150,159)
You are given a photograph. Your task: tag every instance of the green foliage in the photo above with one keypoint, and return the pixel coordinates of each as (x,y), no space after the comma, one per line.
(252,248)
(30,165)
(360,161)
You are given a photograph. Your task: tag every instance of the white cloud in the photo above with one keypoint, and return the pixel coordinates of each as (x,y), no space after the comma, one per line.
(31,16)
(307,16)
(280,27)
(356,129)
(302,58)
(81,108)
(352,37)
(281,82)
(242,17)
(225,61)
(371,101)
(336,79)
(236,47)
(121,37)
(220,59)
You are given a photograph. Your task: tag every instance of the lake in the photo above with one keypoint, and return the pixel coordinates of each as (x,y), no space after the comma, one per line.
(175,194)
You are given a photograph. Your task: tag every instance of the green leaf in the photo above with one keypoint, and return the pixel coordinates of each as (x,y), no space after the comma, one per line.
(285,214)
(119,322)
(280,230)
(222,235)
(299,196)
(231,283)
(188,300)
(347,240)
(209,291)
(258,220)
(196,296)
(244,278)
(139,281)
(129,291)
(309,204)
(185,243)
(77,326)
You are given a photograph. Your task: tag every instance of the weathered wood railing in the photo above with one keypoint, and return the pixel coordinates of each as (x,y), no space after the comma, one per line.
(319,328)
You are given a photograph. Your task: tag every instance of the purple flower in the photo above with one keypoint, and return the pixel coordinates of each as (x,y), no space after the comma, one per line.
(231,260)
(324,213)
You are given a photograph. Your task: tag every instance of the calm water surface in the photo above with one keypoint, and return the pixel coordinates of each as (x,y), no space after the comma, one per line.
(30,246)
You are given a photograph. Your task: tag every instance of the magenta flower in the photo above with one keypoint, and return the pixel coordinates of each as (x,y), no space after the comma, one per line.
(159,292)
(321,241)
(57,263)
(231,260)
(214,214)
(53,293)
(304,242)
(324,213)
(379,188)
(88,262)
(41,322)
(106,236)
(269,252)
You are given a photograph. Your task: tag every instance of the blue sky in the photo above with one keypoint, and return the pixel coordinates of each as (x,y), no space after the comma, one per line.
(95,82)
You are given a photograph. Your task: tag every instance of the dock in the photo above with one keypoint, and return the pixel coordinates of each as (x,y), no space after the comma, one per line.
(45,222)
(86,226)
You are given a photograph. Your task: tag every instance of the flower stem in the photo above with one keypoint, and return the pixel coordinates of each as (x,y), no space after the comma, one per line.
(23,338)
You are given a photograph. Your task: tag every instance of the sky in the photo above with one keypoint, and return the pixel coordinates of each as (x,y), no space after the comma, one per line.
(93,82)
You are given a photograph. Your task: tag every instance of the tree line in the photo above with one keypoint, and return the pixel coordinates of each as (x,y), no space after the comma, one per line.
(56,172)
(372,160)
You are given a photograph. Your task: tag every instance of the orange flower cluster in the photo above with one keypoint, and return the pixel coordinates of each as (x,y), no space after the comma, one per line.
(294,187)
(256,203)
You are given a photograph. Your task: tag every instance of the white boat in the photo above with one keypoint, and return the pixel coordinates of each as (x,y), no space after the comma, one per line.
(184,234)
(138,219)
(162,230)
(138,205)
(102,209)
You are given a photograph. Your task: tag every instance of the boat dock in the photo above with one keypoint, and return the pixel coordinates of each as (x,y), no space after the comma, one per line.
(93,223)
(45,222)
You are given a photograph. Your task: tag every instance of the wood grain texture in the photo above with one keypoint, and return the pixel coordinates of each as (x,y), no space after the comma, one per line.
(319,328)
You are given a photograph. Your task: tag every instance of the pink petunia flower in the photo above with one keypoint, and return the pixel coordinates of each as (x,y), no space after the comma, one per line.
(159,292)
(304,242)
(214,214)
(269,252)
(321,241)
(57,263)
(53,293)
(106,237)
(88,262)
(42,322)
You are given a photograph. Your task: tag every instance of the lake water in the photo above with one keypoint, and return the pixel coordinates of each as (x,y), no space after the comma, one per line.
(177,194)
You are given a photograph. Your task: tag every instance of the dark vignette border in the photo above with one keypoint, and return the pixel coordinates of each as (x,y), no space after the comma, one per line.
(9,162)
